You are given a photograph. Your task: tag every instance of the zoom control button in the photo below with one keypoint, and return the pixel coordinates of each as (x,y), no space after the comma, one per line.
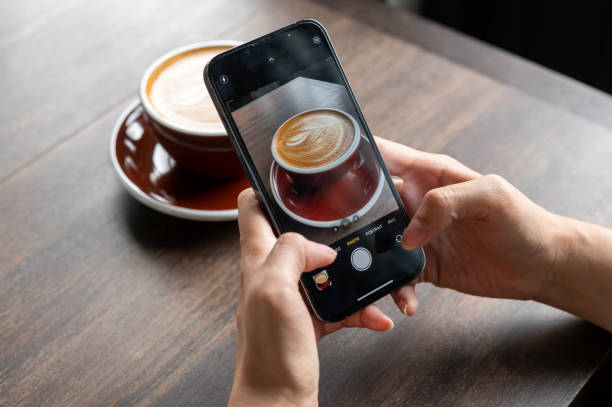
(361,259)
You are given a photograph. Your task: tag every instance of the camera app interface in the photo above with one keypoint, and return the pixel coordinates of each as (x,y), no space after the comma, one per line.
(313,156)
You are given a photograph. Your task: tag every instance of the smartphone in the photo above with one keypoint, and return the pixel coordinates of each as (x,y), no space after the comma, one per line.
(303,142)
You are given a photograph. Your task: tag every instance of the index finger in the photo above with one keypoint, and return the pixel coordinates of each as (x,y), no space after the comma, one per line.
(256,234)
(398,157)
(402,160)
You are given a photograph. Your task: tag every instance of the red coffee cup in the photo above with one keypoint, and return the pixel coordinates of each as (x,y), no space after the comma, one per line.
(205,152)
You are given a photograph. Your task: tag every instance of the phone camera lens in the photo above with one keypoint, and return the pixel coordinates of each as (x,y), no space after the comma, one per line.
(316,40)
(223,79)
(271,60)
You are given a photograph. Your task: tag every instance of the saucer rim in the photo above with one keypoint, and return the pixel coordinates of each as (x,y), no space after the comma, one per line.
(323,224)
(137,193)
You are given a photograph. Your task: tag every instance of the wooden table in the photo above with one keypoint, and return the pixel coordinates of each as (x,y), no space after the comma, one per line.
(105,302)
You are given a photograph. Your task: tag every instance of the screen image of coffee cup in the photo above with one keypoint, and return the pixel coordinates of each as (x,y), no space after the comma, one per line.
(182,113)
(317,147)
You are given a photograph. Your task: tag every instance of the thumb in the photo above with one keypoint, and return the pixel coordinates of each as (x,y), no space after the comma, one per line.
(442,206)
(293,254)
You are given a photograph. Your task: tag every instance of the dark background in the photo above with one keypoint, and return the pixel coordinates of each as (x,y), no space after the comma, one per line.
(571,37)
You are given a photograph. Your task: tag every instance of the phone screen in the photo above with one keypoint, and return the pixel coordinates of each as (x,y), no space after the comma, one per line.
(315,160)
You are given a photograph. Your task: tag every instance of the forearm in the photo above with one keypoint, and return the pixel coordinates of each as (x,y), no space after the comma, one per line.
(256,387)
(580,282)
(247,396)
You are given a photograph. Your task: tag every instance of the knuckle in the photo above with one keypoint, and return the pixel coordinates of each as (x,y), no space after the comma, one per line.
(440,161)
(498,185)
(446,162)
(436,199)
(252,249)
(452,171)
(445,158)
(500,196)
(446,166)
(293,242)
(292,239)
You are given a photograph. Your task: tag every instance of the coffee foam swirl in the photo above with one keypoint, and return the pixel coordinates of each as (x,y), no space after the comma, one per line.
(177,93)
(314,139)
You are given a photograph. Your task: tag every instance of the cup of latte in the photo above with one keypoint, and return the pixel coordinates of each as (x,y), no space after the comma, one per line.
(317,147)
(186,123)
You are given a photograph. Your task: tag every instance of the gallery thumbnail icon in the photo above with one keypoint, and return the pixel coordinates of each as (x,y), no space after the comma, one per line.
(322,280)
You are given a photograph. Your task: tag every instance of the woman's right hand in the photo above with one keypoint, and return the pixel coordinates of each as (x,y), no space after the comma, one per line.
(481,235)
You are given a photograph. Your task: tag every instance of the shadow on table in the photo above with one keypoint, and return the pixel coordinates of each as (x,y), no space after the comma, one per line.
(153,230)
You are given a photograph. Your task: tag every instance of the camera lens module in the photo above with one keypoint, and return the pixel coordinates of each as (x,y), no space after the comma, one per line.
(223,79)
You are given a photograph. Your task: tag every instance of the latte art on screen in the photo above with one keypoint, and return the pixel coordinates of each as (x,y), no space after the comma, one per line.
(314,139)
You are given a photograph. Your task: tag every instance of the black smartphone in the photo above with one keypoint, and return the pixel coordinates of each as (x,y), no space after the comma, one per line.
(304,144)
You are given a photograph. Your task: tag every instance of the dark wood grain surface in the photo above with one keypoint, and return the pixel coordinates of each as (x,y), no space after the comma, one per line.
(105,302)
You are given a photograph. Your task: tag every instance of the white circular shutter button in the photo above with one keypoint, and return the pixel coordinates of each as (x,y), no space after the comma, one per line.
(361,259)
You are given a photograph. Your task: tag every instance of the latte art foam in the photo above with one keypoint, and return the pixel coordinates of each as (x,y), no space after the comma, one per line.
(314,139)
(177,93)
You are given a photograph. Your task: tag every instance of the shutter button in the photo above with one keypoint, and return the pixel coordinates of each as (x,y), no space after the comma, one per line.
(361,259)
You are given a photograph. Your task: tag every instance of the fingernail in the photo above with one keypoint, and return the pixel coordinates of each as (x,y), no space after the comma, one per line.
(413,235)
(392,324)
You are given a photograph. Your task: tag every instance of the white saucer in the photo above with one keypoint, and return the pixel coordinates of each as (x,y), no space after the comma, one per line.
(132,128)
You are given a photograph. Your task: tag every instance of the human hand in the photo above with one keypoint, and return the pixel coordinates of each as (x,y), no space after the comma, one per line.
(481,235)
(277,360)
